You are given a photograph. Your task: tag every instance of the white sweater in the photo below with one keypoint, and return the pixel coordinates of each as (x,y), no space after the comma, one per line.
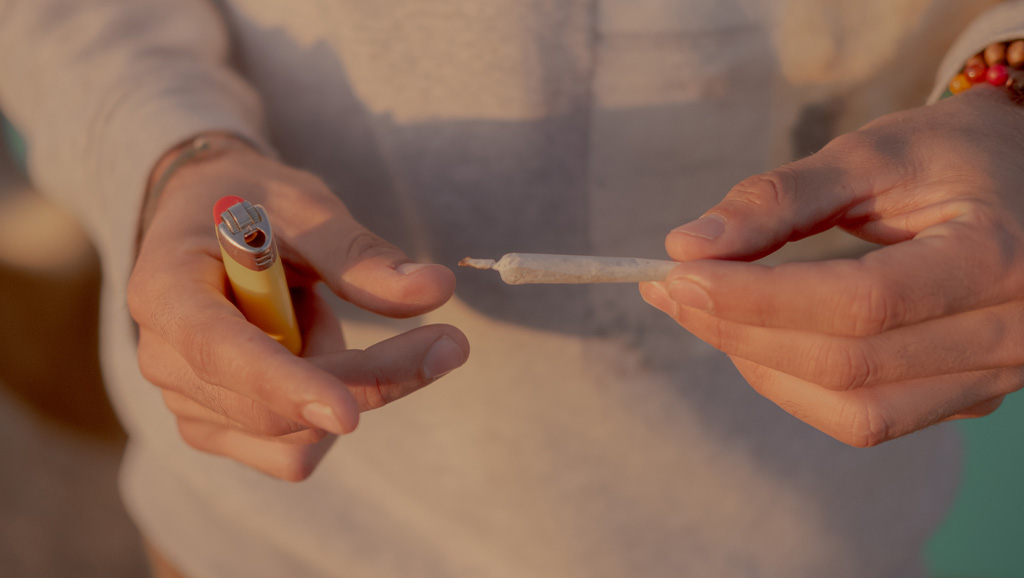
(588,435)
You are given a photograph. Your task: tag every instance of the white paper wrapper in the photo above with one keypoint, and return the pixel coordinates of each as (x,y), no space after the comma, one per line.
(524,268)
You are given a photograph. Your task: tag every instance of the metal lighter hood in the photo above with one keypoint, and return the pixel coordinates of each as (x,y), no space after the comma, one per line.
(244,233)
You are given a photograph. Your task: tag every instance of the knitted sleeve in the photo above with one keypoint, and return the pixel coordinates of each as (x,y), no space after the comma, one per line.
(100,90)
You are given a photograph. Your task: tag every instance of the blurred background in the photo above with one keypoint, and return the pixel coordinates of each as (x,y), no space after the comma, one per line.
(60,443)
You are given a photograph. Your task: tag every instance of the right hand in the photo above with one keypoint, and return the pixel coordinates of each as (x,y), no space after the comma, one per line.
(235,391)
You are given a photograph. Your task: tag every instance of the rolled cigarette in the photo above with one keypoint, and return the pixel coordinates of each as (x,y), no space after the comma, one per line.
(523,268)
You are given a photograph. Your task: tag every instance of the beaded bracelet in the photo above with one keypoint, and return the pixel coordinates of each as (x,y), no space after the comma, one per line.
(996,65)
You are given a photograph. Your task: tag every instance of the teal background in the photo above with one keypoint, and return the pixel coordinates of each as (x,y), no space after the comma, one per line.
(12,140)
(983,535)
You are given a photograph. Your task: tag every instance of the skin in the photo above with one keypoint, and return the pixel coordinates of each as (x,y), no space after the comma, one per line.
(279,415)
(929,327)
(925,329)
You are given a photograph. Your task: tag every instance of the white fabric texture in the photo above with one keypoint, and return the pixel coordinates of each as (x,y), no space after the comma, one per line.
(588,435)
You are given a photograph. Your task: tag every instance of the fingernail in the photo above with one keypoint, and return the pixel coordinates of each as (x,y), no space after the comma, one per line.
(442,357)
(323,417)
(708,227)
(689,294)
(410,268)
(656,295)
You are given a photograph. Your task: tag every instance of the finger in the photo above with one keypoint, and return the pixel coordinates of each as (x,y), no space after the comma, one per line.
(289,462)
(870,416)
(188,396)
(765,211)
(186,307)
(980,410)
(314,231)
(974,341)
(357,264)
(321,328)
(939,273)
(396,367)
(178,285)
(187,409)
(161,366)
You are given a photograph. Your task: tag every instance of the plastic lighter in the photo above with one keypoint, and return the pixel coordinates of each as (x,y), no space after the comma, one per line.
(255,271)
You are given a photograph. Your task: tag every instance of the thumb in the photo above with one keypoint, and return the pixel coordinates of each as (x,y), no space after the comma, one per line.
(368,271)
(766,211)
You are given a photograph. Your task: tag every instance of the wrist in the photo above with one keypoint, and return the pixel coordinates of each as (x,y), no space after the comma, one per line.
(197,150)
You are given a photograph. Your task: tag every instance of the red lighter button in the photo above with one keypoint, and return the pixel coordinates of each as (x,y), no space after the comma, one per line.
(224,204)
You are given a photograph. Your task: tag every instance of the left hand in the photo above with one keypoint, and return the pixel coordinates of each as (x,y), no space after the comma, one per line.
(927,328)
(234,391)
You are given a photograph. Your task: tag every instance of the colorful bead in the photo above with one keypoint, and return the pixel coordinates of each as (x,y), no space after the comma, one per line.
(995,54)
(993,65)
(959,83)
(975,72)
(997,75)
(1015,54)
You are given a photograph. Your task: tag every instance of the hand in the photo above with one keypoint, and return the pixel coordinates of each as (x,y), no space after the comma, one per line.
(235,391)
(927,328)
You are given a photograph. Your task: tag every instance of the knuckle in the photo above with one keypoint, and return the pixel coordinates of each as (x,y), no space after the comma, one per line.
(175,403)
(854,142)
(210,398)
(794,409)
(191,436)
(148,302)
(763,381)
(709,329)
(200,351)
(717,336)
(297,464)
(260,420)
(270,424)
(148,366)
(139,297)
(862,424)
(281,427)
(770,188)
(372,393)
(871,148)
(295,474)
(844,365)
(133,296)
(304,436)
(257,419)
(362,244)
(874,309)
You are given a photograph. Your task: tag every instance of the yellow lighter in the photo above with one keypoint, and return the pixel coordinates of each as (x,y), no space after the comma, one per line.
(255,271)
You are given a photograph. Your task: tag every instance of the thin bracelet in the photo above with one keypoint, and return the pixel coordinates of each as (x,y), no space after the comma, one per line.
(198,146)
